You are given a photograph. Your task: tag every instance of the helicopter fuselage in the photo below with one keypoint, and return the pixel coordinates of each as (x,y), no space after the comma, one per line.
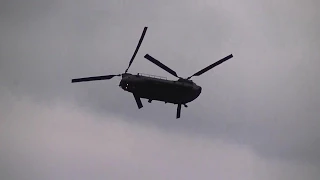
(152,88)
(180,92)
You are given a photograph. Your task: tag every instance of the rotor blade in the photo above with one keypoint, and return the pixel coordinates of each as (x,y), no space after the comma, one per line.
(211,66)
(94,78)
(158,63)
(137,48)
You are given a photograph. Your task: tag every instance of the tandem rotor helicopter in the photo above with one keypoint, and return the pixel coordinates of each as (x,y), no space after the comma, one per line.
(179,92)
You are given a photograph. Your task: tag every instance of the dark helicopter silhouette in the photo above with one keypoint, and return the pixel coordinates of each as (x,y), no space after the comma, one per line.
(180,92)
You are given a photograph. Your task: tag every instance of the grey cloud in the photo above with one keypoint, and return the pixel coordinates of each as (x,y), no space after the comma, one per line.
(265,97)
(64,141)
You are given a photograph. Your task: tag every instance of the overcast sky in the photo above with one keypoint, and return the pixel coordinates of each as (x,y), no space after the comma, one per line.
(257,117)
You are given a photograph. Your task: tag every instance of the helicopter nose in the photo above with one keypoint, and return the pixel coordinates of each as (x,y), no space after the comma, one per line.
(123,84)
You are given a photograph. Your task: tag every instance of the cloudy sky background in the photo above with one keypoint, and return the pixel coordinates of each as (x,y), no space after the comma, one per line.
(257,117)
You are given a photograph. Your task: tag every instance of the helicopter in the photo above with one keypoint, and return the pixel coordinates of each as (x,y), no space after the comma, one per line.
(151,87)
